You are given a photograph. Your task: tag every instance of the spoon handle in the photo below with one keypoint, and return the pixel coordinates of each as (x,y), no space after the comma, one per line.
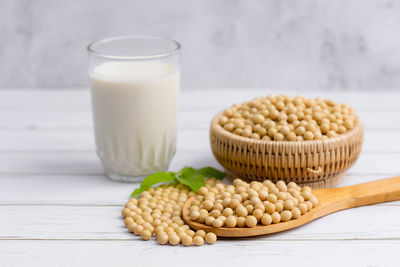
(384,190)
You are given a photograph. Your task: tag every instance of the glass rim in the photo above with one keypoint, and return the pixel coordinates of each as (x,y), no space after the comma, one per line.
(170,52)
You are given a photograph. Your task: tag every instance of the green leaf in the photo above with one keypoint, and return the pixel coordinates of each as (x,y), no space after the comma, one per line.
(191,177)
(186,171)
(192,181)
(210,172)
(154,179)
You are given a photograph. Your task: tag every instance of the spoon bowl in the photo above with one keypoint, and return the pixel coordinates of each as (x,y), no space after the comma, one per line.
(330,200)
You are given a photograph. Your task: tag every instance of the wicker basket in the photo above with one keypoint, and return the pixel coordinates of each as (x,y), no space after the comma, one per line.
(317,163)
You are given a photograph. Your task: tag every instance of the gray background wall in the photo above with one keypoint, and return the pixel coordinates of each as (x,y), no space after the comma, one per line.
(308,44)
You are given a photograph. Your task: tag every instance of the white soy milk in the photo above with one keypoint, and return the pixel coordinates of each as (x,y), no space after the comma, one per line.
(134,111)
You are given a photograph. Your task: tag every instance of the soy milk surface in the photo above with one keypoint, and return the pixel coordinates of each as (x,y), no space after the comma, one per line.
(134,111)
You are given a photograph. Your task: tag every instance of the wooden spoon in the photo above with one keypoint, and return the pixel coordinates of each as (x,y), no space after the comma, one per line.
(330,200)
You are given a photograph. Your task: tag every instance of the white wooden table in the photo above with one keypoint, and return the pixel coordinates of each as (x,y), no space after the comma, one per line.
(58,209)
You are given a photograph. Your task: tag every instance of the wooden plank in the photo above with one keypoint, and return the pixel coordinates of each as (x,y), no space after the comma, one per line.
(29,189)
(105,223)
(82,163)
(57,190)
(189,119)
(195,140)
(232,252)
(79,98)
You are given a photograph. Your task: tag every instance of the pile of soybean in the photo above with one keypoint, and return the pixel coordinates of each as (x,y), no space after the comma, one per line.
(158,211)
(282,118)
(249,204)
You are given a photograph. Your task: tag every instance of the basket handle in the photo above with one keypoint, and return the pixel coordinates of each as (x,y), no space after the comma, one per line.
(313,171)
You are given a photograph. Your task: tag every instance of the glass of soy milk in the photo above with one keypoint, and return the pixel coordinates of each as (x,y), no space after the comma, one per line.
(134,87)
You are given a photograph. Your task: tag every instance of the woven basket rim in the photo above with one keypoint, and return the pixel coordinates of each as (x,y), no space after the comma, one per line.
(340,138)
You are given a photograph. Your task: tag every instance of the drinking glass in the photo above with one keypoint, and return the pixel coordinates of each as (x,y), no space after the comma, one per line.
(134,88)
